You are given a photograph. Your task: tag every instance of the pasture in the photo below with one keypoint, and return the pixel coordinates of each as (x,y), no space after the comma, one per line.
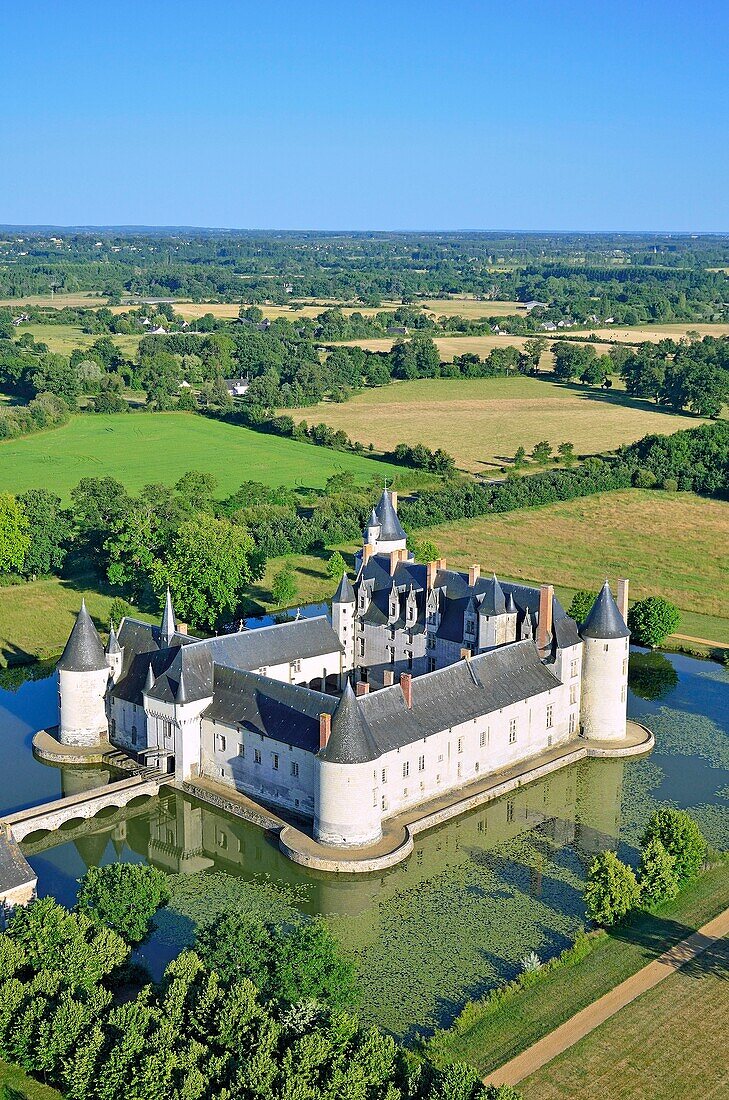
(669,544)
(652,333)
(64,338)
(139,448)
(470,308)
(670,1043)
(450,346)
(482,421)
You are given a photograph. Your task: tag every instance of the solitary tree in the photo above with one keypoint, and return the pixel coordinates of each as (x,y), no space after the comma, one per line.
(611,891)
(652,620)
(582,601)
(541,452)
(283,589)
(519,459)
(123,896)
(681,837)
(566,452)
(336,566)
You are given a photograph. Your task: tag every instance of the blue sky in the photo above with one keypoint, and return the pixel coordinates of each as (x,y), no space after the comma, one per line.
(400,115)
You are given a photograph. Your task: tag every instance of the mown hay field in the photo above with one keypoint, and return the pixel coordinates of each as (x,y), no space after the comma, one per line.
(652,333)
(672,544)
(670,1043)
(482,421)
(64,338)
(450,346)
(139,448)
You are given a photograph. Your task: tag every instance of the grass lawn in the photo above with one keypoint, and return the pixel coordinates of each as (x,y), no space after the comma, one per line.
(501,1035)
(627,1058)
(482,421)
(15,1084)
(64,338)
(671,544)
(36,618)
(139,448)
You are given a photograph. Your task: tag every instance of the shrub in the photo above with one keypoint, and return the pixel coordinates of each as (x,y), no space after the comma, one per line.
(652,620)
(670,484)
(582,602)
(611,891)
(124,897)
(657,876)
(643,478)
(681,837)
(336,566)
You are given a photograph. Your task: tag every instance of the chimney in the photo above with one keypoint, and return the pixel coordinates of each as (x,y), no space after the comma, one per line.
(544,627)
(465,652)
(441,563)
(388,677)
(394,559)
(473,574)
(403,554)
(622,601)
(182,628)
(325,730)
(393,498)
(361,688)
(366,552)
(406,683)
(430,571)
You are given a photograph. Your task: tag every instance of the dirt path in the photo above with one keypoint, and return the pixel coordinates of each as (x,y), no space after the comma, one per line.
(703,641)
(585,1021)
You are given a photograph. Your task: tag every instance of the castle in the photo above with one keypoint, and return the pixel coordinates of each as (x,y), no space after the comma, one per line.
(426,680)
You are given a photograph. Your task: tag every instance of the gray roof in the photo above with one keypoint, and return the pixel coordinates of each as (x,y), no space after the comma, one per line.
(84,650)
(113,646)
(351,741)
(604,619)
(14,868)
(457,693)
(273,645)
(284,712)
(345,592)
(169,623)
(391,528)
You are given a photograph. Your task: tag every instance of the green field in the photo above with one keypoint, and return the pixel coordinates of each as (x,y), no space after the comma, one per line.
(15,1084)
(482,421)
(627,1057)
(140,448)
(64,338)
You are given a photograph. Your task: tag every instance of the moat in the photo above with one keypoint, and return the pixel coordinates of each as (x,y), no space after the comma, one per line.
(475,896)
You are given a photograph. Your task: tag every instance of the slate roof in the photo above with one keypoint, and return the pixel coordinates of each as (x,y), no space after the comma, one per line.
(113,646)
(84,650)
(14,868)
(273,645)
(390,526)
(351,741)
(604,619)
(457,693)
(284,712)
(169,623)
(345,592)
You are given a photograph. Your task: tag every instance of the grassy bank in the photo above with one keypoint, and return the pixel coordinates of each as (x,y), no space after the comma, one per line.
(492,1038)
(15,1084)
(617,1060)
(140,448)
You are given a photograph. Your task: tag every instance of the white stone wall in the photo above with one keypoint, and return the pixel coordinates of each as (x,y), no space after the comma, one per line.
(257,765)
(347,803)
(343,626)
(128,725)
(82,707)
(604,688)
(305,670)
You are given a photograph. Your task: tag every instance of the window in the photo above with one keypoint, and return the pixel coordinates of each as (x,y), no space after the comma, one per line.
(622,694)
(384,803)
(410,662)
(431,641)
(410,636)
(483,738)
(134,735)
(294,769)
(404,792)
(470,627)
(384,775)
(459,769)
(421,763)
(256,756)
(296,666)
(512,731)
(625,665)
(241,750)
(112,727)
(431,664)
(220,742)
(361,647)
(573,694)
(574,667)
(607,647)
(550,715)
(263,670)
(573,721)
(460,744)
(274,757)
(374,798)
(406,769)
(391,654)
(392,634)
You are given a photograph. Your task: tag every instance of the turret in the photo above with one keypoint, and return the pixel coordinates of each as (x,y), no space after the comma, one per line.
(604,670)
(372,530)
(114,654)
(343,605)
(169,623)
(346,796)
(83,677)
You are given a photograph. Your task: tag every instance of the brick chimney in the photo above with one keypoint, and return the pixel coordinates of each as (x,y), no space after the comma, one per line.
(465,652)
(394,559)
(406,683)
(473,574)
(622,601)
(325,730)
(388,677)
(544,627)
(361,688)
(366,552)
(442,563)
(430,571)
(393,498)
(182,627)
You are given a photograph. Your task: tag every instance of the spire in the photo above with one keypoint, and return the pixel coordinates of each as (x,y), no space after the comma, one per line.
(604,619)
(345,592)
(351,741)
(510,605)
(113,645)
(169,623)
(149,682)
(181,693)
(390,527)
(84,650)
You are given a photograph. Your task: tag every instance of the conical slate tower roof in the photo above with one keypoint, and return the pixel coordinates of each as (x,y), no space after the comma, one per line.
(351,741)
(345,592)
(391,528)
(84,650)
(181,693)
(113,646)
(169,623)
(604,619)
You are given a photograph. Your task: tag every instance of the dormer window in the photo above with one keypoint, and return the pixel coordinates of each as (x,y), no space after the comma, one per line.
(470,627)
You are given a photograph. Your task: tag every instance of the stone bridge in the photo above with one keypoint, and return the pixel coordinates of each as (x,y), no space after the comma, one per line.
(86,804)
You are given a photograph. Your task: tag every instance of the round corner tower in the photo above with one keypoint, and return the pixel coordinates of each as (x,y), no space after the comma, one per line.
(346,798)
(83,677)
(604,670)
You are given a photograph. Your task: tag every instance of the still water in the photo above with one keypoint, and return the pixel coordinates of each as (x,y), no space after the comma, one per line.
(476,895)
